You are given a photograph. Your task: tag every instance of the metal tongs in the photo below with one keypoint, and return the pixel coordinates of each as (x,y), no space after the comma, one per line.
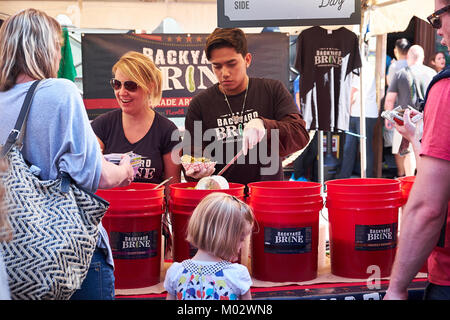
(164,182)
(230,163)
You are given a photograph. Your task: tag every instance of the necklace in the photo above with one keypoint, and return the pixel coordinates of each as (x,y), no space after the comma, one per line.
(238,119)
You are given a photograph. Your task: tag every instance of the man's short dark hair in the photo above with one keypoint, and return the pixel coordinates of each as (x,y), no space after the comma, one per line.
(226,37)
(402,45)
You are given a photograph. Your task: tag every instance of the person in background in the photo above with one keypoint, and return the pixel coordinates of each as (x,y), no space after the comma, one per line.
(437,61)
(407,86)
(240,113)
(400,52)
(5,235)
(218,227)
(396,63)
(58,135)
(297,91)
(351,143)
(425,231)
(135,126)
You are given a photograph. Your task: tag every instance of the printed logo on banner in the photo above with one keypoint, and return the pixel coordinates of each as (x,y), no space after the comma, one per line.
(287,240)
(134,245)
(375,237)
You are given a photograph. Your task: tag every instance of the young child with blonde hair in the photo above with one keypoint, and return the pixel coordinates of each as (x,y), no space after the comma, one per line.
(218,227)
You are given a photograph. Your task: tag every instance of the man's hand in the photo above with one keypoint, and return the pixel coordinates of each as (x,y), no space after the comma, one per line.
(254,132)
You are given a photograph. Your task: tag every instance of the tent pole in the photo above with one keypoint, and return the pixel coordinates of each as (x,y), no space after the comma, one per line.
(362,95)
(320,164)
(380,76)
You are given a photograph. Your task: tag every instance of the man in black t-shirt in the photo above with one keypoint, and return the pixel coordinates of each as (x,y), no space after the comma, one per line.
(256,115)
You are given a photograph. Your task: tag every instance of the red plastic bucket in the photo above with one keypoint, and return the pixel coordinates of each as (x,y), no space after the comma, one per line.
(406,184)
(183,200)
(133,223)
(285,248)
(363,223)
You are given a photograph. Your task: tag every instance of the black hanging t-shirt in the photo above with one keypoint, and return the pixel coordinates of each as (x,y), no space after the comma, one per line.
(157,142)
(326,59)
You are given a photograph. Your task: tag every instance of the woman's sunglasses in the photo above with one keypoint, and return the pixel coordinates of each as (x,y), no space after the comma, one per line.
(128,85)
(435,19)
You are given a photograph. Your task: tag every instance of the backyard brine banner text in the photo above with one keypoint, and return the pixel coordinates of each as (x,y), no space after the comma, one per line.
(182,61)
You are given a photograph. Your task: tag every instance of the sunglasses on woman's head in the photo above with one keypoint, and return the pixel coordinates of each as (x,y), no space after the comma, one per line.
(128,85)
(435,19)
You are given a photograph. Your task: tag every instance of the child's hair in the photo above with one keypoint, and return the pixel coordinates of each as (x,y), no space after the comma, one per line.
(218,224)
(5,228)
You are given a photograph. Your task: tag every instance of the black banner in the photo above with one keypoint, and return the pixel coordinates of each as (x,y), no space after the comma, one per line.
(182,61)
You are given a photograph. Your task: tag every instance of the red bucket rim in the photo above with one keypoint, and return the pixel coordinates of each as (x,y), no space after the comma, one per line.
(351,182)
(407,179)
(362,194)
(295,185)
(135,186)
(286,204)
(365,200)
(185,185)
(307,196)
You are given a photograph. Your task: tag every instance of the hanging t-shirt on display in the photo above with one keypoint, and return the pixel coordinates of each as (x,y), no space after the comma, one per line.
(325,60)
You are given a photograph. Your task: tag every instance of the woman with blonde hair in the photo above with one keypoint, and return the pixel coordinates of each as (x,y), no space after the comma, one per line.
(58,135)
(135,126)
(218,228)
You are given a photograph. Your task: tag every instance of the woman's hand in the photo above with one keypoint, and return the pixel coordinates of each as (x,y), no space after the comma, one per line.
(125,164)
(116,175)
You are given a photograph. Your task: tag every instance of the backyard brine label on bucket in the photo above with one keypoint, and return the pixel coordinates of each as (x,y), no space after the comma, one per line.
(376,237)
(134,245)
(287,240)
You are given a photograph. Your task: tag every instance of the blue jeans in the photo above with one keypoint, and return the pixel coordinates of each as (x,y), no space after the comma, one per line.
(351,148)
(99,282)
(436,292)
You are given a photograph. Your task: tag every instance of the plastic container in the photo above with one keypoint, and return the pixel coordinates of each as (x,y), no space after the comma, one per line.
(406,184)
(183,200)
(363,223)
(133,223)
(285,247)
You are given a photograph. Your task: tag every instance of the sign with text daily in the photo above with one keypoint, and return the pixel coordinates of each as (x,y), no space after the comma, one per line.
(270,13)
(182,61)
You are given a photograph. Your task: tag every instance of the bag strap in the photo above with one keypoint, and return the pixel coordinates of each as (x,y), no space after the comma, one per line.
(19,128)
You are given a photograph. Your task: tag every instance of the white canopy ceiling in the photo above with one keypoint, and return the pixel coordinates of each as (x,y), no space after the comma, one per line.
(200,16)
(387,16)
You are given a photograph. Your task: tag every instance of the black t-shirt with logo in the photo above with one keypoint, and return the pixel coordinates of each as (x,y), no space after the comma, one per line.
(220,138)
(157,142)
(325,60)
